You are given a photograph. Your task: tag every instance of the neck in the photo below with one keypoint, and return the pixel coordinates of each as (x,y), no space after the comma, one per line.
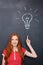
(15,49)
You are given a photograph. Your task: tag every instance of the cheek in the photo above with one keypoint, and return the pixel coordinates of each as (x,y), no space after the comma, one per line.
(16,42)
(12,41)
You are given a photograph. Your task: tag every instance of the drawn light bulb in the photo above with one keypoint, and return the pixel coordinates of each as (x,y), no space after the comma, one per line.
(27,18)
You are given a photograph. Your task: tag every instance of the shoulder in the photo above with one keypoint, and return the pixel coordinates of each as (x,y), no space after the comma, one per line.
(24,50)
(4,52)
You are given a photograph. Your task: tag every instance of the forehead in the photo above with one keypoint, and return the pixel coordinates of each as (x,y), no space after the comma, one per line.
(14,37)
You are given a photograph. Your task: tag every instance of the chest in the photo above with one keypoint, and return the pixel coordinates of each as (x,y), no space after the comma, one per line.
(14,57)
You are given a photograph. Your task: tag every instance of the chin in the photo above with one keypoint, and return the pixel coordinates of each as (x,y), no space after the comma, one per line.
(14,45)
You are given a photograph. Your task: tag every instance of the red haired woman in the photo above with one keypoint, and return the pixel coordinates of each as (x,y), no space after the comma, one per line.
(14,53)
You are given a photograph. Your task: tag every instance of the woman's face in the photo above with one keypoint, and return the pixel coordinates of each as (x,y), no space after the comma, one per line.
(14,41)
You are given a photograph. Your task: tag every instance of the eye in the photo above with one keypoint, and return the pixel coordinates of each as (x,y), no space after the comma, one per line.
(16,39)
(12,39)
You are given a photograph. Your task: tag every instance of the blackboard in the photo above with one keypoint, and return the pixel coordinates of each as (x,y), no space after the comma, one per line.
(11,12)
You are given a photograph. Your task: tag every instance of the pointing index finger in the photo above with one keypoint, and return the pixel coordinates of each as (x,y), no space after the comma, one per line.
(27,36)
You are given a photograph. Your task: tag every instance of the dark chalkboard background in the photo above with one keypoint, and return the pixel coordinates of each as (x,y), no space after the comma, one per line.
(8,24)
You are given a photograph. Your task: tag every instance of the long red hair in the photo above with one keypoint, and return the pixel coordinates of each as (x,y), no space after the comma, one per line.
(10,47)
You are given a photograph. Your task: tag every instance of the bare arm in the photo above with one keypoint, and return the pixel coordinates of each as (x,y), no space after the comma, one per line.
(3,60)
(32,53)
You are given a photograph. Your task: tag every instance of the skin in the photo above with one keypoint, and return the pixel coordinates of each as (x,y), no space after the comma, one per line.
(14,42)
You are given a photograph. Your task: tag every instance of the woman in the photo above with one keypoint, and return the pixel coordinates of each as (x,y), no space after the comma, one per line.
(14,53)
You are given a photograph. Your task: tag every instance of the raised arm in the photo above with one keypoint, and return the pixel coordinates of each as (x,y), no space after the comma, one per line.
(32,53)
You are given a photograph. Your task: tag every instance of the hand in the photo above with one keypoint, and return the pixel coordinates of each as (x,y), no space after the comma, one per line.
(27,41)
